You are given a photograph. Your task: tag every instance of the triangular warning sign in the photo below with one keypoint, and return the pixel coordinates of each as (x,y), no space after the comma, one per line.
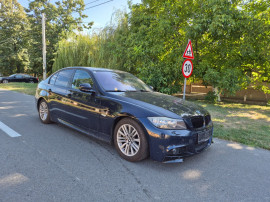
(189,51)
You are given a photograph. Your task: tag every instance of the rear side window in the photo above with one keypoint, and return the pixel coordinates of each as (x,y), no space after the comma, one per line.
(53,78)
(63,78)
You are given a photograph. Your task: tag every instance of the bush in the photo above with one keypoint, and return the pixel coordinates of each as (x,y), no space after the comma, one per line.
(211,97)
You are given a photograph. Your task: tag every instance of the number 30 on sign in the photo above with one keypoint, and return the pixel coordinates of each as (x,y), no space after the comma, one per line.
(187,68)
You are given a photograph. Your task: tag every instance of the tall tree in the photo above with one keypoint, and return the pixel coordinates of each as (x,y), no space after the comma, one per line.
(14,27)
(255,42)
(157,38)
(216,28)
(230,42)
(60,21)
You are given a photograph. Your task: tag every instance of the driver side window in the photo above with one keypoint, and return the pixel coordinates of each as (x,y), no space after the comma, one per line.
(81,77)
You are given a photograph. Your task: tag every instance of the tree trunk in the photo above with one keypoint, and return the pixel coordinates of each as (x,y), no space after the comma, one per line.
(217,93)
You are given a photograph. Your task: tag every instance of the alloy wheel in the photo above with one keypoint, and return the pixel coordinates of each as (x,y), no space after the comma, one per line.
(43,111)
(128,140)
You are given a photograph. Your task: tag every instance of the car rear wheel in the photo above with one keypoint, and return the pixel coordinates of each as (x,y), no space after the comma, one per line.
(130,140)
(44,113)
(31,82)
(5,81)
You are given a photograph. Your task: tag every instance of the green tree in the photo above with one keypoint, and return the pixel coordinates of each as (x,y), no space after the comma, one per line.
(14,27)
(156,41)
(230,43)
(225,35)
(106,48)
(60,21)
(255,44)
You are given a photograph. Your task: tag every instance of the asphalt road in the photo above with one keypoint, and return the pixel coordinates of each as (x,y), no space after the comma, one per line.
(55,163)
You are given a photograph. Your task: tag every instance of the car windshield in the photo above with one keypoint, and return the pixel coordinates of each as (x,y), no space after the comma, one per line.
(112,81)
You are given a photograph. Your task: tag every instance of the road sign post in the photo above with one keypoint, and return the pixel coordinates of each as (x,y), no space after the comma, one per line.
(187,67)
(184,93)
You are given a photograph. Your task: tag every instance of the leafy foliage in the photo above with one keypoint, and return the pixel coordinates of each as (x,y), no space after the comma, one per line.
(60,21)
(211,97)
(230,41)
(14,44)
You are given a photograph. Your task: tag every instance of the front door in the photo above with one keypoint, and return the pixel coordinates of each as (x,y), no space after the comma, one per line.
(84,106)
(19,78)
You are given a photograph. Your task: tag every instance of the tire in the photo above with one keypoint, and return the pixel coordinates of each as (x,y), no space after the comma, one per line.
(44,112)
(130,140)
(31,82)
(5,81)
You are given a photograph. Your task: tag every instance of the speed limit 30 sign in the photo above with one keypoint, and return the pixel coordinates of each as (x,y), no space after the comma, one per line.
(187,68)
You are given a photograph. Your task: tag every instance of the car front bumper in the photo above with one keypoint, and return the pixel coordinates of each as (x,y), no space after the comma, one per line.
(174,145)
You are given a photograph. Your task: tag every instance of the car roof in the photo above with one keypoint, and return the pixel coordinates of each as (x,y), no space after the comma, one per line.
(94,69)
(20,74)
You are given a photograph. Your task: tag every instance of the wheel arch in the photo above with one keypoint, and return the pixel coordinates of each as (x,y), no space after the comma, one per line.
(123,116)
(39,100)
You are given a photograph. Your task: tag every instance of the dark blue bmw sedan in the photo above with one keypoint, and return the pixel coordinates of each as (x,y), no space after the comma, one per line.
(116,107)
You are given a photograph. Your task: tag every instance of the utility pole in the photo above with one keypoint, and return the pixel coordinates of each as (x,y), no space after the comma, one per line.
(44,47)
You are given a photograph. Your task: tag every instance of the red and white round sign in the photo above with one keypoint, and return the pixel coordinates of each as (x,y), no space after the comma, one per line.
(187,68)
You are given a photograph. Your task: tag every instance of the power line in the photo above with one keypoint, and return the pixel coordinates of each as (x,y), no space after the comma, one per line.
(91,2)
(98,4)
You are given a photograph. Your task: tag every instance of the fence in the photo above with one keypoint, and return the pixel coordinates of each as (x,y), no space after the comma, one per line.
(249,94)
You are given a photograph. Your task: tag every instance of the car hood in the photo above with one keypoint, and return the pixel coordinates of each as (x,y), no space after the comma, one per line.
(167,102)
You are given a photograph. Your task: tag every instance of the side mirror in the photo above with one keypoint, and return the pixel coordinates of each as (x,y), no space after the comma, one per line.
(86,87)
(151,87)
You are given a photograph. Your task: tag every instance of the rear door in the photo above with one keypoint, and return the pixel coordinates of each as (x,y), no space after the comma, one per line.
(27,78)
(58,94)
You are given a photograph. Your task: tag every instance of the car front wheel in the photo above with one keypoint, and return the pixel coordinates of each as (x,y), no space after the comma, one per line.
(130,140)
(44,113)
(5,81)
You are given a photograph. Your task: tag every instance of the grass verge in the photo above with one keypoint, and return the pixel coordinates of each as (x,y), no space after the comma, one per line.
(26,88)
(247,124)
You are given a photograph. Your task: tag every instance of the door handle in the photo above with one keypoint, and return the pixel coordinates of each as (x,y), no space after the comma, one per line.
(69,94)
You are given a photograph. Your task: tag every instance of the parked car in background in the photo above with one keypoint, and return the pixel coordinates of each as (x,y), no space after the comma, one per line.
(119,108)
(19,78)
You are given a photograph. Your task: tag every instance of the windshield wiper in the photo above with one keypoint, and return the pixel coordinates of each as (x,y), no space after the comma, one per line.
(144,90)
(121,91)
(141,90)
(115,91)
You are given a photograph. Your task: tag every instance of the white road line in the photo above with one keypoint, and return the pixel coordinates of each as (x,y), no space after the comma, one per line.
(8,130)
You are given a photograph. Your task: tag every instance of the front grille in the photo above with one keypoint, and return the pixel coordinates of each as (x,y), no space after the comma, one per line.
(197,121)
(200,121)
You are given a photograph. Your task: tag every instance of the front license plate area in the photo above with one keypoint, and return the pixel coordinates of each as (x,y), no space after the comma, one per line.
(204,136)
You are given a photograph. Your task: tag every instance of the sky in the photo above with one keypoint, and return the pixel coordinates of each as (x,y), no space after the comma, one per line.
(100,15)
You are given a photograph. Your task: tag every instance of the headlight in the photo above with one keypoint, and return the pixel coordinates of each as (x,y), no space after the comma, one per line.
(168,123)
